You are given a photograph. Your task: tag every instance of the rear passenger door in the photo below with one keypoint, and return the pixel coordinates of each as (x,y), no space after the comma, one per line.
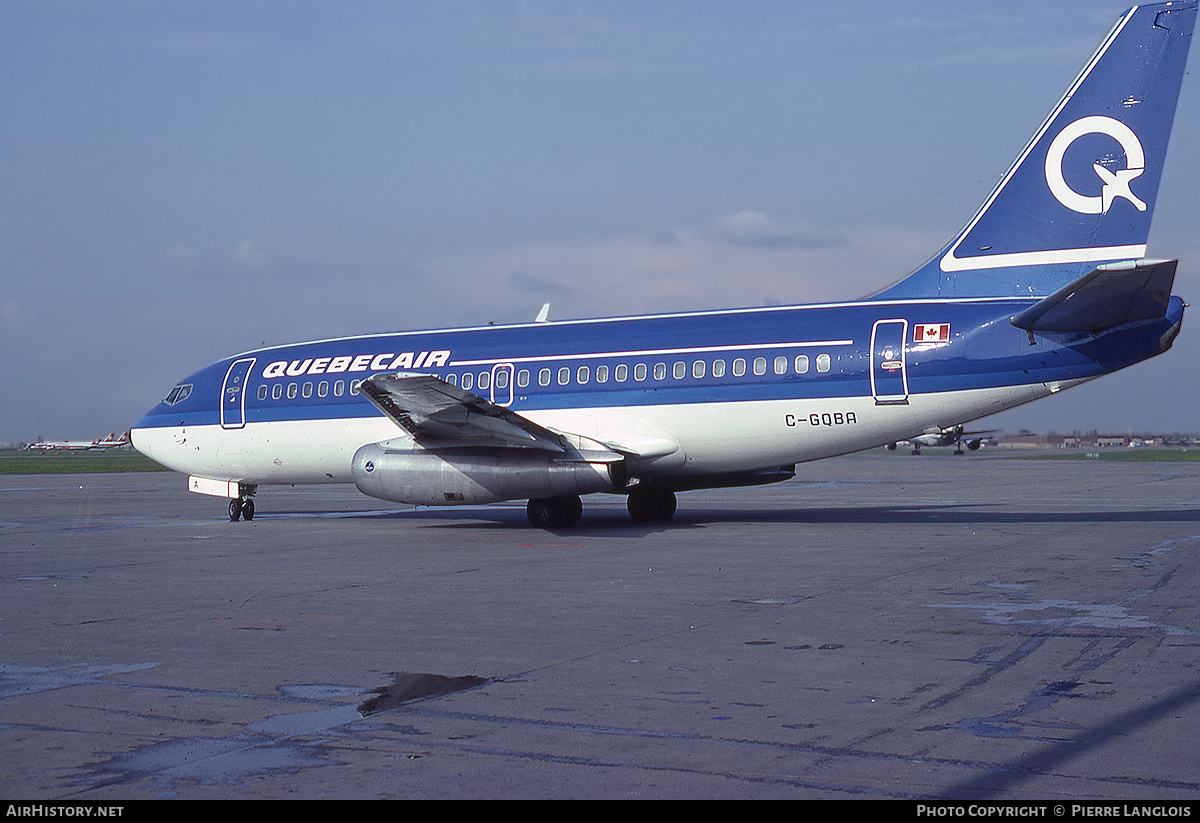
(889,371)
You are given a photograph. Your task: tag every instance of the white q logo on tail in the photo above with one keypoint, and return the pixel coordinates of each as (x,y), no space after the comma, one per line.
(1116,184)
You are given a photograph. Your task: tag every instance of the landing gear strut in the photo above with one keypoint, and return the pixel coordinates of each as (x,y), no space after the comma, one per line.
(555,512)
(651,504)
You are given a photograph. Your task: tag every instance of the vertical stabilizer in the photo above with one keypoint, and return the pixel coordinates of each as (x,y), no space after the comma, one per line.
(1082,192)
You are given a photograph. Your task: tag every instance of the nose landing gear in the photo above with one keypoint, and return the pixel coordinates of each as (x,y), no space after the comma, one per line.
(241,507)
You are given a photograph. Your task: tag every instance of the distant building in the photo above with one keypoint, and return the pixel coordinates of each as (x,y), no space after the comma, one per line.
(1030,440)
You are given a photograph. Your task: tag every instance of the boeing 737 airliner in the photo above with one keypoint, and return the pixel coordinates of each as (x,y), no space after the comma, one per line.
(1046,287)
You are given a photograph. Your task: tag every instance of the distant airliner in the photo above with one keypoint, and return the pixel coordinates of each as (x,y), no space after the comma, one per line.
(1046,287)
(110,442)
(953,436)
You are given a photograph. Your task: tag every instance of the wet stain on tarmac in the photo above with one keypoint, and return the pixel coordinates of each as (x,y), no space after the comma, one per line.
(408,686)
(221,761)
(281,744)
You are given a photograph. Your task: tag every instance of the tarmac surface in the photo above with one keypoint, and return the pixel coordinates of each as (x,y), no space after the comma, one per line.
(883,626)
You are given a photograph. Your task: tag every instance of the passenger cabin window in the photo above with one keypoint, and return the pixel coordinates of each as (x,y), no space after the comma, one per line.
(780,365)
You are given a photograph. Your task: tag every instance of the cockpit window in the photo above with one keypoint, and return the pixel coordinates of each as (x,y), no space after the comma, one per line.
(178,394)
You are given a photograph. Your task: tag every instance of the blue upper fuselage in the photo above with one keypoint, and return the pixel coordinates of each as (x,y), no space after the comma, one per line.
(737,355)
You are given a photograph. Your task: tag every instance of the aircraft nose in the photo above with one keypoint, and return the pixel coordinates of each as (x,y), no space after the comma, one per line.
(147,438)
(162,433)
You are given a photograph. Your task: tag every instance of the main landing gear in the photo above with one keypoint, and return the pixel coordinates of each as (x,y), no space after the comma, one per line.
(555,512)
(651,504)
(647,504)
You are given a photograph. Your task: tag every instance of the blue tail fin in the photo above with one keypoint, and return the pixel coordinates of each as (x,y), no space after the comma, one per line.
(1082,192)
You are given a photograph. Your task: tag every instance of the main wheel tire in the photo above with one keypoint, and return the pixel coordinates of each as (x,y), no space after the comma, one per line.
(648,504)
(554,512)
(235,510)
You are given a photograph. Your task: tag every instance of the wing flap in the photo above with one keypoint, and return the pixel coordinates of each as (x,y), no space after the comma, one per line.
(1107,296)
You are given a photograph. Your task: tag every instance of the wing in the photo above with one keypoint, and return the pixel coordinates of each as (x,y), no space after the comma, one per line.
(431,409)
(436,413)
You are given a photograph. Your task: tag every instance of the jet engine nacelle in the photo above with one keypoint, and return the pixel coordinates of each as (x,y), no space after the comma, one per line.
(474,475)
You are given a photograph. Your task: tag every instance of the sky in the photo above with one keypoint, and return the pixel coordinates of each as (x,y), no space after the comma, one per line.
(182,181)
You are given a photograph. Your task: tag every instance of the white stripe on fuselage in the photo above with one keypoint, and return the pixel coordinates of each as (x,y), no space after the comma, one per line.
(663,352)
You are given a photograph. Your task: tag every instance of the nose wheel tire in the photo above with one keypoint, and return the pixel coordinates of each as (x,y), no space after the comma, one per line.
(241,507)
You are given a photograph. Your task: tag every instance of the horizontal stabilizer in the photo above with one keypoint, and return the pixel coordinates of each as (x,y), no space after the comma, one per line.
(1107,296)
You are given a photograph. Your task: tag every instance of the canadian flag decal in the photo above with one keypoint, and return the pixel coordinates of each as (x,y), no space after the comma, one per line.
(931,333)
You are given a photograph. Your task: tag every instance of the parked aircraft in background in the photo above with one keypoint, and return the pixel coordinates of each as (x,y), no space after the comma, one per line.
(954,436)
(1046,287)
(51,445)
(112,441)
